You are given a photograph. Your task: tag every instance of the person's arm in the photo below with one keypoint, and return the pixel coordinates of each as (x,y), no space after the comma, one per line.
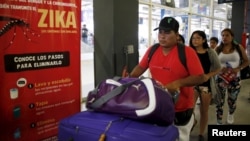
(196,74)
(211,74)
(189,81)
(215,64)
(137,71)
(140,68)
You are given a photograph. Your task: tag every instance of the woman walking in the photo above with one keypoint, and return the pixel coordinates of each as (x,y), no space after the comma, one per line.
(211,67)
(233,58)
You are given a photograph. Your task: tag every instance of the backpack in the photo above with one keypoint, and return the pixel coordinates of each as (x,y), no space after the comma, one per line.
(181,53)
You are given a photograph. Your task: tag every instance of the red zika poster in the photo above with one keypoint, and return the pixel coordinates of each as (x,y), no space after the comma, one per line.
(40,67)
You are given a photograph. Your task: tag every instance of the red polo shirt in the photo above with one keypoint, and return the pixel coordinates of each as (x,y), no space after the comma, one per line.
(168,68)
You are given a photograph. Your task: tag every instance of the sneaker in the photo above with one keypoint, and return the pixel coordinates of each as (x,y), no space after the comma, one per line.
(230,118)
(201,138)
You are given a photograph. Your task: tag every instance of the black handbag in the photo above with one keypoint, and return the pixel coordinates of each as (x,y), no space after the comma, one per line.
(245,73)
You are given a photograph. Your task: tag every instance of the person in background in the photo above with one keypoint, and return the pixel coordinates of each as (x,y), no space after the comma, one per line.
(213,42)
(228,52)
(166,68)
(181,39)
(85,34)
(211,66)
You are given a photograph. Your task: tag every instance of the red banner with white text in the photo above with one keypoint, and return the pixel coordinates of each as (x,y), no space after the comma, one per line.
(40,67)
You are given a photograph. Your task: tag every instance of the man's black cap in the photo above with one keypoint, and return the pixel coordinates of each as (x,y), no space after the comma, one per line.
(168,24)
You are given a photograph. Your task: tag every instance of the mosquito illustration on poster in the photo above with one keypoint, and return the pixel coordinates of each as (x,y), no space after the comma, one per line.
(10,23)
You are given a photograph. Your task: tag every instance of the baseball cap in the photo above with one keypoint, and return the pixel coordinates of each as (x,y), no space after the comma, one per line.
(168,24)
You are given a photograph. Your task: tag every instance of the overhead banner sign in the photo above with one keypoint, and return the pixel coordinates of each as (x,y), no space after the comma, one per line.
(40,67)
(227,1)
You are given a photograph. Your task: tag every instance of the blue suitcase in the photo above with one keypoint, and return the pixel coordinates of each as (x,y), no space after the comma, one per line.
(92,126)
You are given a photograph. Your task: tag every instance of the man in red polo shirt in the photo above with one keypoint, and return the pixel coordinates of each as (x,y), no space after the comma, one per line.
(166,68)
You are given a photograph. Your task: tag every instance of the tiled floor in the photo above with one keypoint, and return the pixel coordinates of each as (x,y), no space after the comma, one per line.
(242,114)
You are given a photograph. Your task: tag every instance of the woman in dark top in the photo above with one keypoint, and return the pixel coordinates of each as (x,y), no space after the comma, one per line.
(211,66)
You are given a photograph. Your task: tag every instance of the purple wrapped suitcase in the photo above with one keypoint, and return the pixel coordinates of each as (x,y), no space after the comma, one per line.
(89,126)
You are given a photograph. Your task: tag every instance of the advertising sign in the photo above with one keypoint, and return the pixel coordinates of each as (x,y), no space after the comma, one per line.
(228,1)
(39,67)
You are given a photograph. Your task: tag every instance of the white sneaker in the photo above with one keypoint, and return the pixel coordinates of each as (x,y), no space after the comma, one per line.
(230,118)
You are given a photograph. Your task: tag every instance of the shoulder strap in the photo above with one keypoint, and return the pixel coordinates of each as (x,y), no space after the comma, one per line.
(152,50)
(237,47)
(181,53)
